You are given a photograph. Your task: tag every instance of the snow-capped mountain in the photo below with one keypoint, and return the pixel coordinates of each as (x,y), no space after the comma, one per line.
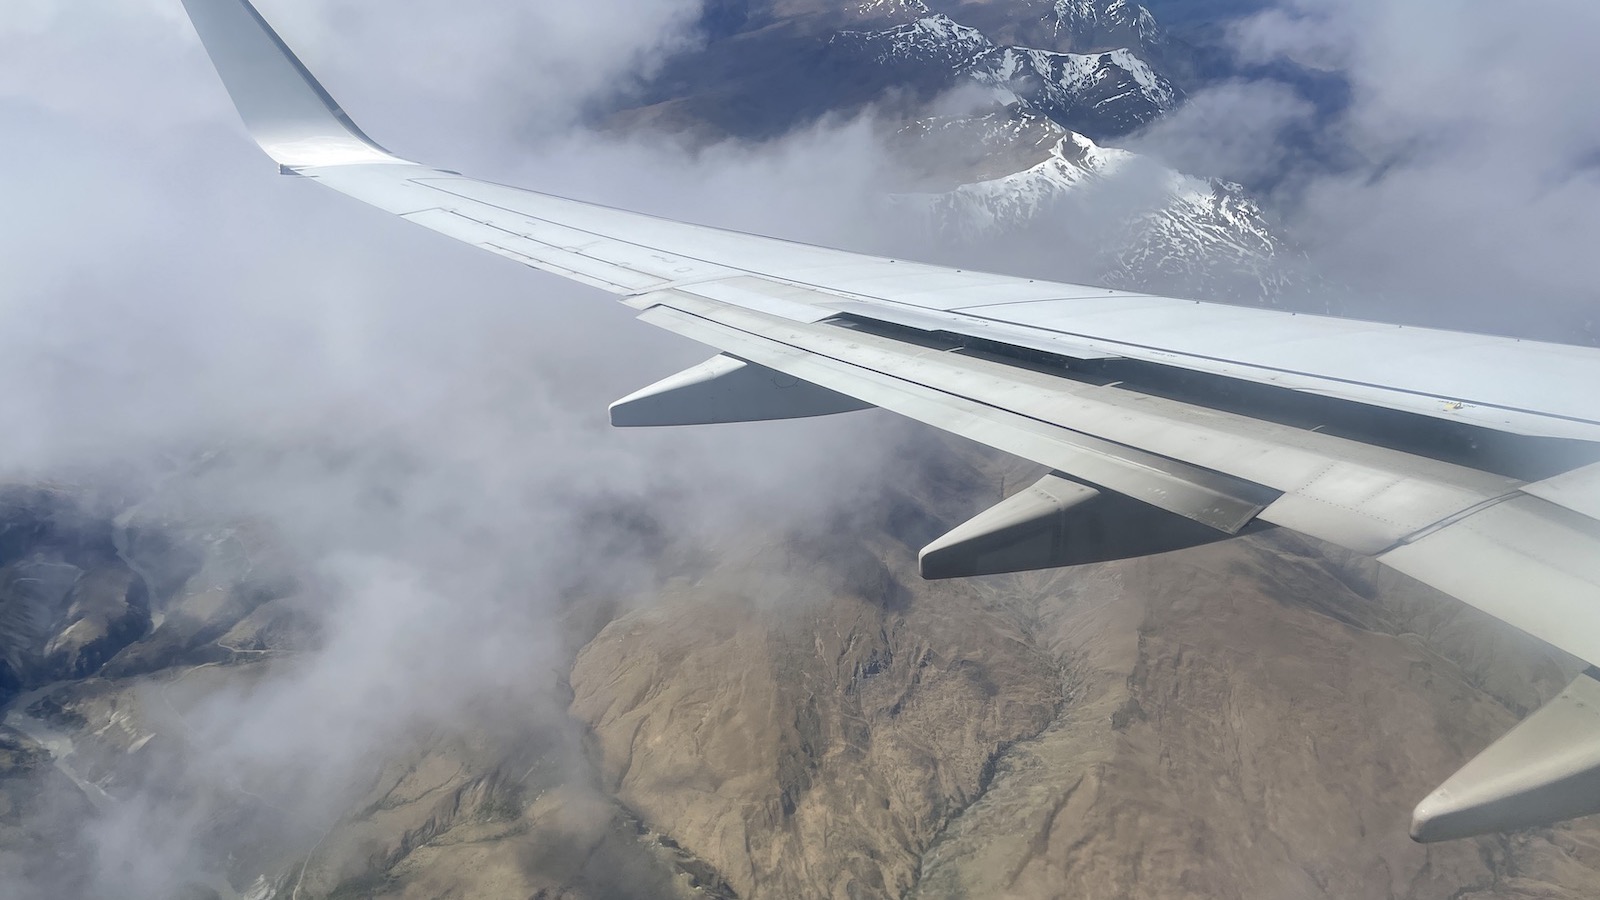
(1211,240)
(1114,92)
(1069,78)
(999,205)
(891,8)
(1154,228)
(1107,93)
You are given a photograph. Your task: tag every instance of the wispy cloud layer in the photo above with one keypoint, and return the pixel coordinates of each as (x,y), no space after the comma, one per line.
(1458,185)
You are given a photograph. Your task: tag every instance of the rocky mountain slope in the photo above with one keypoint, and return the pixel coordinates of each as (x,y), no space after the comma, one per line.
(1111,92)
(807,718)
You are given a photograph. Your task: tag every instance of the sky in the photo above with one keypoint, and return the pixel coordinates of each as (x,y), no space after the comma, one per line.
(423,425)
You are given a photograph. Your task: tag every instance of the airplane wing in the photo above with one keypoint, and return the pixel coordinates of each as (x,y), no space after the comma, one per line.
(1465,461)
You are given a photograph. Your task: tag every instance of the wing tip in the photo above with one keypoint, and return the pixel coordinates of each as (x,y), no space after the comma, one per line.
(285,109)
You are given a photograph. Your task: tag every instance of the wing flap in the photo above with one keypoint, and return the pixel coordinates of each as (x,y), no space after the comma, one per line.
(971,327)
(1223,503)
(1578,490)
(1525,561)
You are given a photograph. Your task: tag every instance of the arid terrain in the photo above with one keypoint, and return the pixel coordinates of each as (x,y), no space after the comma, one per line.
(803,717)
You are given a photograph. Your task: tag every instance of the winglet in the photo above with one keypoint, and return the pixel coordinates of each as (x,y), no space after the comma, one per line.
(285,109)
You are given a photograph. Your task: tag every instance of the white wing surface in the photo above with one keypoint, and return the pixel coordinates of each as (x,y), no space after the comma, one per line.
(1459,459)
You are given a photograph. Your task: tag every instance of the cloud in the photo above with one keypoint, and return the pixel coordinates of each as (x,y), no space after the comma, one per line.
(1235,130)
(1457,185)
(419,424)
(497,73)
(503,68)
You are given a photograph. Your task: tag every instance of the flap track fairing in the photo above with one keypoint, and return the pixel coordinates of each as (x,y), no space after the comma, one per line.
(1060,522)
(726,389)
(1545,770)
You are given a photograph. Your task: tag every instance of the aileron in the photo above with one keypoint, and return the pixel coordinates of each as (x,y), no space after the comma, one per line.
(1578,490)
(1525,561)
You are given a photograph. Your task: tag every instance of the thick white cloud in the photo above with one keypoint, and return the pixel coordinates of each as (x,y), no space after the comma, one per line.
(476,57)
(1459,186)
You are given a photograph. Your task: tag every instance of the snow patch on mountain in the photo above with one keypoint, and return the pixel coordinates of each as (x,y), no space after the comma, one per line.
(1111,92)
(1188,235)
(1000,204)
(931,39)
(1109,81)
(1120,17)
(1214,243)
(886,8)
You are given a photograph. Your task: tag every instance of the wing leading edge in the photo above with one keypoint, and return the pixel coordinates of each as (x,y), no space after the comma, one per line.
(1079,379)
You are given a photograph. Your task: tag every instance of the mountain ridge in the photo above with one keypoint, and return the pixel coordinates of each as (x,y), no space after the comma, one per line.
(1184,234)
